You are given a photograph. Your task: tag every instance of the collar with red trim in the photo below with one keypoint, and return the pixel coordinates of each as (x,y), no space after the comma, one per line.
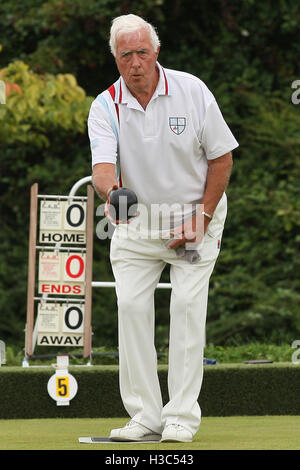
(123,95)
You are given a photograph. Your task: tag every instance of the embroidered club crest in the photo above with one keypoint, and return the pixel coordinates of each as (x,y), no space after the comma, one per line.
(177,124)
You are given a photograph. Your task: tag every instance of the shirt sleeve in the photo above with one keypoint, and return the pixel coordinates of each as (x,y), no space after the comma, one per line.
(216,137)
(103,142)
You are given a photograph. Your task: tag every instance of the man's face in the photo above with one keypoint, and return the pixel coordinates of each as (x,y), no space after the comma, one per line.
(136,60)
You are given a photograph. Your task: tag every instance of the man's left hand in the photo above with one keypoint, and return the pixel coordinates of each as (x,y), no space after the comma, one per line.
(191,231)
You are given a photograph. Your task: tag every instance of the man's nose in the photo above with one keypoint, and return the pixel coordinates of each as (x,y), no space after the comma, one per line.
(135,60)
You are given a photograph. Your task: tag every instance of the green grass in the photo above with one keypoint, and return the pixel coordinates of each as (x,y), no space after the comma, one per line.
(250,351)
(230,433)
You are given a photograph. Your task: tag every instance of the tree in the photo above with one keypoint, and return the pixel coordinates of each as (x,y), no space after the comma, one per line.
(43,139)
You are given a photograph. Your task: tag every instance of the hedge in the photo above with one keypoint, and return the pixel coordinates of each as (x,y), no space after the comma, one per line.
(268,389)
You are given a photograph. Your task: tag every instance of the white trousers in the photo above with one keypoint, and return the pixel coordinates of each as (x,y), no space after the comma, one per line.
(137,265)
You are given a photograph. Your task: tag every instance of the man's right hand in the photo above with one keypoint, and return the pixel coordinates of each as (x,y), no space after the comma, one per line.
(121,205)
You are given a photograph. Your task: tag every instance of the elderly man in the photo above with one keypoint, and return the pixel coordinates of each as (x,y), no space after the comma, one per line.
(160,133)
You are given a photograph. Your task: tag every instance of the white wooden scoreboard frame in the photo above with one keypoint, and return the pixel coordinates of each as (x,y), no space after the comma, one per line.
(59,290)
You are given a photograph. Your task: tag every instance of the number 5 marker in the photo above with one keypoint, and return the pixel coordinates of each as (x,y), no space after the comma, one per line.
(62,386)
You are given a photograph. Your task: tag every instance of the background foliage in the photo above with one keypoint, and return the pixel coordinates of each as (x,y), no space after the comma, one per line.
(56,51)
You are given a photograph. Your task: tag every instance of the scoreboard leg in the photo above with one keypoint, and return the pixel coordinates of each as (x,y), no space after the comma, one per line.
(31,268)
(87,340)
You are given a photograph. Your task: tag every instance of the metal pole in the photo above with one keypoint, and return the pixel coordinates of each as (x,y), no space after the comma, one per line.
(31,269)
(88,273)
(79,183)
(161,285)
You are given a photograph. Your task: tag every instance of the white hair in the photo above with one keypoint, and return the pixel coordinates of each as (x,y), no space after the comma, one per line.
(128,24)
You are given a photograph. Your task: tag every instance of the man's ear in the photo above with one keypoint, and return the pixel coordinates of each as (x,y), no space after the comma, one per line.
(157,51)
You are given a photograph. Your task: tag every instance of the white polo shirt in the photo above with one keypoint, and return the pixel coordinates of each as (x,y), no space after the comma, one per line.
(162,151)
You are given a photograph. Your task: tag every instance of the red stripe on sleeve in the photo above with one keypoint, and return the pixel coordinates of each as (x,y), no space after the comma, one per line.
(112,91)
(120,97)
(117,110)
(166,83)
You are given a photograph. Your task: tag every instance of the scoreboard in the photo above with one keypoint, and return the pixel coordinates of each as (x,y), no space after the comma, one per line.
(62,222)
(60,271)
(60,324)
